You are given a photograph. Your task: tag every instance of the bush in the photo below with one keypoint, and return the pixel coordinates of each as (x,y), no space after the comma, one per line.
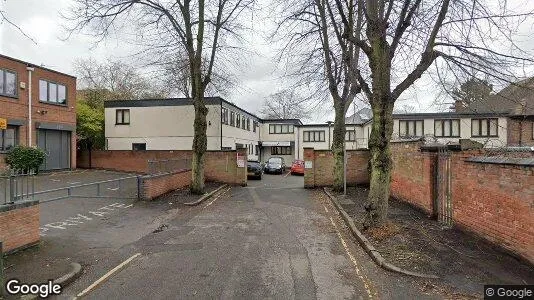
(22,158)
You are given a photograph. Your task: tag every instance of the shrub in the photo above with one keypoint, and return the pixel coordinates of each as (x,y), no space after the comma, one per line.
(22,158)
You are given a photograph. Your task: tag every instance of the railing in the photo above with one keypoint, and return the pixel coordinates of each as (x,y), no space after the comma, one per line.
(17,186)
(168,165)
(99,189)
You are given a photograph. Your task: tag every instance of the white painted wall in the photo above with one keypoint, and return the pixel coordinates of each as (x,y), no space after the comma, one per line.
(160,127)
(465,132)
(237,135)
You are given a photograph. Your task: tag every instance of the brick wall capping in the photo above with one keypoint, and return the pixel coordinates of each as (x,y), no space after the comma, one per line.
(17,205)
(526,162)
(166,173)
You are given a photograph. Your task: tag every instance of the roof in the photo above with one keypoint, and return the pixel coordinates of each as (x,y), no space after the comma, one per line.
(360,117)
(283,121)
(447,115)
(35,65)
(170,102)
(517,99)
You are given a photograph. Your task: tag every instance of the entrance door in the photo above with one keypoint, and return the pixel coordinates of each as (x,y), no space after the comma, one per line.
(56,144)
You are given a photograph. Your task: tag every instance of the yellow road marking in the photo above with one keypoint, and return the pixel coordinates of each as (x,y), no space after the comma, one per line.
(352,258)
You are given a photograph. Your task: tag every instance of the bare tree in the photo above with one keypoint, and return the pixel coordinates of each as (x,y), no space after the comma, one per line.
(113,80)
(402,39)
(285,104)
(198,29)
(5,19)
(315,43)
(176,76)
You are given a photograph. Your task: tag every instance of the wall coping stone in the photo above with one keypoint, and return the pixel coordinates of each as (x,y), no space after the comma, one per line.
(528,162)
(17,205)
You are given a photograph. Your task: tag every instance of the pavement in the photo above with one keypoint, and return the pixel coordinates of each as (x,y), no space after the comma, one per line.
(271,239)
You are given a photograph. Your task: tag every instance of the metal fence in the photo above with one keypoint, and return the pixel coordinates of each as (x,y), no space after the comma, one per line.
(17,186)
(168,165)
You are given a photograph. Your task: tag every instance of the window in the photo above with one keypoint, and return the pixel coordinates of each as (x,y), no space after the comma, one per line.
(256,149)
(232,118)
(238,121)
(484,127)
(138,146)
(8,138)
(281,128)
(224,116)
(410,128)
(254,125)
(350,135)
(279,150)
(8,83)
(243,122)
(314,136)
(122,117)
(447,128)
(52,92)
(248,124)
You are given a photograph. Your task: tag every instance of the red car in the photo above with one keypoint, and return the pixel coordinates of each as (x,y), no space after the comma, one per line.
(297,167)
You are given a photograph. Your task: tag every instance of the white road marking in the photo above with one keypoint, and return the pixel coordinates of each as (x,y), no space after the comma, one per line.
(287,174)
(74,182)
(107,275)
(55,180)
(81,218)
(352,258)
(113,189)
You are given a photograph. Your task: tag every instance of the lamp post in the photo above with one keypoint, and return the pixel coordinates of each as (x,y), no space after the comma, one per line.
(329,123)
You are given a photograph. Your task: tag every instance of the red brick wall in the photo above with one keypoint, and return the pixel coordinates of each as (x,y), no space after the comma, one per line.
(19,226)
(492,200)
(412,175)
(127,160)
(520,132)
(220,166)
(17,108)
(322,173)
(495,201)
(154,186)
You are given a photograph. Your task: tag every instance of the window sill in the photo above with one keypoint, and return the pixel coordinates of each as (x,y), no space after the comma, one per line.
(447,137)
(484,136)
(122,124)
(52,103)
(14,97)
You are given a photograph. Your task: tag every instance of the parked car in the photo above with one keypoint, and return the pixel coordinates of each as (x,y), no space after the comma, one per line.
(297,167)
(275,165)
(254,169)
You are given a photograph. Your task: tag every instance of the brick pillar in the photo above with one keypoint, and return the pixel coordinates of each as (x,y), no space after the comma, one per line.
(241,172)
(309,173)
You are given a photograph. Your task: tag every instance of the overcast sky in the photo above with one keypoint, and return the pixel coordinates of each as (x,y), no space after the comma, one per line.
(40,19)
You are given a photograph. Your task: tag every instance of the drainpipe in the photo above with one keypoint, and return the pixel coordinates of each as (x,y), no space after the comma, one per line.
(30,70)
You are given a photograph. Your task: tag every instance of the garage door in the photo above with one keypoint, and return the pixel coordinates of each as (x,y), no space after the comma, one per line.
(56,144)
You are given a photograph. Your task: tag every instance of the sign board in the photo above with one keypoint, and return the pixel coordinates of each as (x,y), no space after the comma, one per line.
(3,123)
(308,164)
(240,160)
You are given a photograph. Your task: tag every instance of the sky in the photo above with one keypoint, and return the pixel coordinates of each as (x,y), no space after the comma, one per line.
(41,20)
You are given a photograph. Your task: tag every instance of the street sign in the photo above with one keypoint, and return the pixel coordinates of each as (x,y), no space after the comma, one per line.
(240,160)
(308,164)
(3,123)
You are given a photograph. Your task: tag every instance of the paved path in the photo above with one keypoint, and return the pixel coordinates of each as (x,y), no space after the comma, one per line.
(272,239)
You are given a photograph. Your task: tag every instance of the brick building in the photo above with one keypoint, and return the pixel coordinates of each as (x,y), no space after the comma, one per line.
(39,106)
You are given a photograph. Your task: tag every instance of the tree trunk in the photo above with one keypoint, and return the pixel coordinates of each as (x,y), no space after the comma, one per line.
(200,139)
(380,164)
(338,146)
(382,127)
